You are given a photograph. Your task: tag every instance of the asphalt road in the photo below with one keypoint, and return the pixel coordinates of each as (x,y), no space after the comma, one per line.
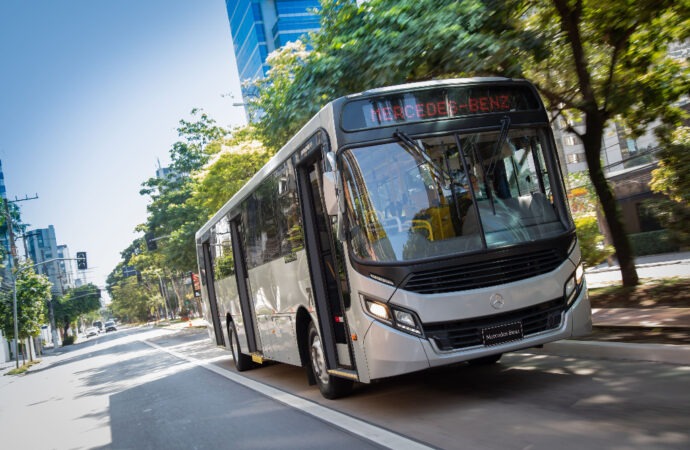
(144,389)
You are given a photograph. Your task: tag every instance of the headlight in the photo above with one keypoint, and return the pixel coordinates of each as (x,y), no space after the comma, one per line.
(579,274)
(574,285)
(378,310)
(400,319)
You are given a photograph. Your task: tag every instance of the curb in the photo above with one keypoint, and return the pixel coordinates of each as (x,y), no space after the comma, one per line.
(662,353)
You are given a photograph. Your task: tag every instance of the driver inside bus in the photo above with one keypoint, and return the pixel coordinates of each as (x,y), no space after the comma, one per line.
(472,183)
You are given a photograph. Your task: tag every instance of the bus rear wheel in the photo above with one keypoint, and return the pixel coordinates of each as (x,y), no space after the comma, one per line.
(331,387)
(242,362)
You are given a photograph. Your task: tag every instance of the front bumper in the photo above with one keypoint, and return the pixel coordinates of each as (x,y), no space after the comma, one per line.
(391,352)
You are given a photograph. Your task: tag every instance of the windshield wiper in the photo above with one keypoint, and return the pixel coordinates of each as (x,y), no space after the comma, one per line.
(417,150)
(505,126)
(437,170)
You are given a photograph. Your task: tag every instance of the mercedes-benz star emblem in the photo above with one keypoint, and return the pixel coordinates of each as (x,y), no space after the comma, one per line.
(497,301)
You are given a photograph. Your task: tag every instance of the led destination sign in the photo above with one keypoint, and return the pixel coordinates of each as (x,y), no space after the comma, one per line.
(446,103)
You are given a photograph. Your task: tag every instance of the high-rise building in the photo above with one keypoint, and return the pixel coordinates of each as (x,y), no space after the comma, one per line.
(41,246)
(3,191)
(66,266)
(260,26)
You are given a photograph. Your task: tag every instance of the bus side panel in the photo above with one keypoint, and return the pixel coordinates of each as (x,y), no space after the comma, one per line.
(278,289)
(260,284)
(229,303)
(291,290)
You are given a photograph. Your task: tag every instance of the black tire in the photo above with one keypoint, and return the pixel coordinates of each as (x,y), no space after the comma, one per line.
(331,387)
(485,361)
(242,362)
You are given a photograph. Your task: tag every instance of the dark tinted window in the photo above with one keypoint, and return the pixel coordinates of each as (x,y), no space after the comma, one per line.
(273,226)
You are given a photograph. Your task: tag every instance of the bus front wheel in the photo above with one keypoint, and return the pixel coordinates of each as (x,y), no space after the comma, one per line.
(331,387)
(242,362)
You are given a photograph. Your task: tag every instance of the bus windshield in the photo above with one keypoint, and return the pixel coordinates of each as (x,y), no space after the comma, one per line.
(459,193)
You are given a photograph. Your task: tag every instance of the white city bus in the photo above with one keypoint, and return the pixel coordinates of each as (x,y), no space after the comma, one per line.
(402,228)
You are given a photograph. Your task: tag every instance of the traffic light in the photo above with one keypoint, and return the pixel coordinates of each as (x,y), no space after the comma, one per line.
(81,261)
(150,242)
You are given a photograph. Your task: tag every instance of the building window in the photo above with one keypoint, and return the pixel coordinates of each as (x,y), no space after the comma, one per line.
(571,140)
(574,158)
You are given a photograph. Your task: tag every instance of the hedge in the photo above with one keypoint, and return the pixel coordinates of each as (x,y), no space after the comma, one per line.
(652,243)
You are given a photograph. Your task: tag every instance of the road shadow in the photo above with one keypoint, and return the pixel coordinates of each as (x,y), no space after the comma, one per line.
(195,408)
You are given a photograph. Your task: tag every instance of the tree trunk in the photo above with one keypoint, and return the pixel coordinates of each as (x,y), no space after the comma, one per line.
(592,143)
(28,344)
(176,289)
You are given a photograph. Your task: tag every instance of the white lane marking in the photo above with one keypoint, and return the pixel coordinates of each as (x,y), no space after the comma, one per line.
(358,427)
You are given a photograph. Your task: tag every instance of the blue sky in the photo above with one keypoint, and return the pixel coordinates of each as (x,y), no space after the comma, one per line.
(91,93)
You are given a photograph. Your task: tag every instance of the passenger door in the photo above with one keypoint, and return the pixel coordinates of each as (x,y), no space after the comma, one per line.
(328,276)
(207,275)
(244,288)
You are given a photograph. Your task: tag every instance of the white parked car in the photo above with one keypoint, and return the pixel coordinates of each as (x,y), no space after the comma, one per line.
(91,331)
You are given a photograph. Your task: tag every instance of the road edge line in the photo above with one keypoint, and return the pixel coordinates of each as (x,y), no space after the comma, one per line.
(349,424)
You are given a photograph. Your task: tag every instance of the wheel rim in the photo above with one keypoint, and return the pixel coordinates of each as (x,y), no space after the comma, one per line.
(318,361)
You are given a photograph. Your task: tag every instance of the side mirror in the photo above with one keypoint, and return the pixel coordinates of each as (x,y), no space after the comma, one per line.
(329,193)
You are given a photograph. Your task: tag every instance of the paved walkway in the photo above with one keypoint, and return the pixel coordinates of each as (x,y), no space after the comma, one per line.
(642,317)
(652,266)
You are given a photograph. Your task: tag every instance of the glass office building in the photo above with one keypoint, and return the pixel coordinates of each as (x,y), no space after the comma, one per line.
(260,26)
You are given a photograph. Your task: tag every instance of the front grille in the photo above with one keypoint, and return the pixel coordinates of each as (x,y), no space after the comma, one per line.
(484,274)
(468,333)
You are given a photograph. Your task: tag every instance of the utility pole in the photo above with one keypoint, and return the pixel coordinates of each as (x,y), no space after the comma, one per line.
(13,262)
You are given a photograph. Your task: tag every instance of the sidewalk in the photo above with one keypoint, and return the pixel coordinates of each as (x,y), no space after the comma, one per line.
(652,266)
(633,320)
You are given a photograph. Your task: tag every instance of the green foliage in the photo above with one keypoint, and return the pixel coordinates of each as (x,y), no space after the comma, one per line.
(130,302)
(33,293)
(652,243)
(591,241)
(75,303)
(170,214)
(609,57)
(605,60)
(23,368)
(227,173)
(672,178)
(380,43)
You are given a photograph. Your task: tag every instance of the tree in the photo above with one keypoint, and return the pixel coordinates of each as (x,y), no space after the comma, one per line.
(227,172)
(672,178)
(33,293)
(606,60)
(75,303)
(170,215)
(384,42)
(591,60)
(130,302)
